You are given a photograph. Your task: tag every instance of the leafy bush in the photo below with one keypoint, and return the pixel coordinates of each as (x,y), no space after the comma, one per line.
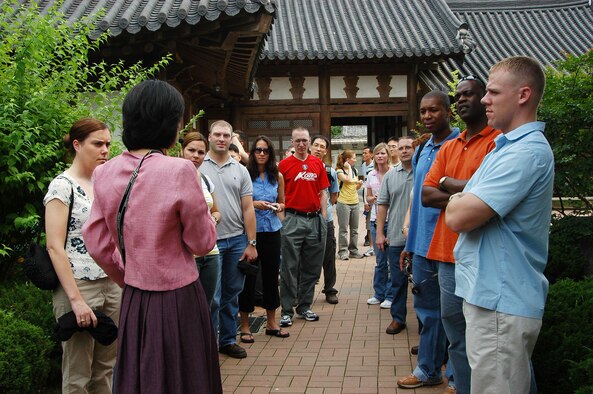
(26,302)
(46,83)
(563,356)
(571,238)
(23,351)
(567,109)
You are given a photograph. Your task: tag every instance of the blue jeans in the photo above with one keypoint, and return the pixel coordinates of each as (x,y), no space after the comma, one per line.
(454,325)
(381,281)
(225,304)
(427,303)
(399,286)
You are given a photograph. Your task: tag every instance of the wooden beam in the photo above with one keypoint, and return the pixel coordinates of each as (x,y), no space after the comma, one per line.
(412,98)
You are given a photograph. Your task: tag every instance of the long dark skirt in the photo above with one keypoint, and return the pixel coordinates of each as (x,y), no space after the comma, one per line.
(166,343)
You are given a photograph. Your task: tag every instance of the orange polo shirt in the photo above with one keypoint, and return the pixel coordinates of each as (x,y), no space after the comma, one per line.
(457,159)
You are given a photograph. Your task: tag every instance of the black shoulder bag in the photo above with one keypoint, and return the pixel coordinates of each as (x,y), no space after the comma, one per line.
(123,206)
(38,266)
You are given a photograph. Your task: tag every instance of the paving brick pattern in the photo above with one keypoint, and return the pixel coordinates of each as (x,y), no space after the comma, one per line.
(346,351)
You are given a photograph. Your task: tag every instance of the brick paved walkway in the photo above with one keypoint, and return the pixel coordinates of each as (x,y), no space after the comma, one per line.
(346,351)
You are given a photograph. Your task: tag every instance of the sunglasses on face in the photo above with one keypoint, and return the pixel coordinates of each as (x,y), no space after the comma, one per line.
(471,78)
(262,151)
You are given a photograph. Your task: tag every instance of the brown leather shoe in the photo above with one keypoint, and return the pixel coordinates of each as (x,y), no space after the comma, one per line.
(414,350)
(450,390)
(395,328)
(331,298)
(412,382)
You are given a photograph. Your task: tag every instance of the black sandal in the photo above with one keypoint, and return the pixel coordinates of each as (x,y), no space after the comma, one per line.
(246,337)
(277,333)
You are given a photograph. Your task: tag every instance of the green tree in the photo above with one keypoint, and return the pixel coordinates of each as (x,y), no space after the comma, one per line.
(567,109)
(46,83)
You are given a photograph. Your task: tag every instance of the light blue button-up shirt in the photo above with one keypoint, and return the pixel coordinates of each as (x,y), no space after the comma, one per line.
(500,265)
(266,220)
(423,219)
(334,187)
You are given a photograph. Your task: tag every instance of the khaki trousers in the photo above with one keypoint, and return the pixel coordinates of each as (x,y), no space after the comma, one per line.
(87,366)
(499,347)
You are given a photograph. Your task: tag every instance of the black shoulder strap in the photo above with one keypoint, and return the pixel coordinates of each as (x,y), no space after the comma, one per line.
(420,147)
(123,206)
(206,182)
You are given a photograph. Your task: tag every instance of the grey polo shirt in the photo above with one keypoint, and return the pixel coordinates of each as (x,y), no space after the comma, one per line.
(395,192)
(232,182)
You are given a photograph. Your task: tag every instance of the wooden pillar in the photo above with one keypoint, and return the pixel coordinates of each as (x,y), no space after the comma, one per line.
(324,101)
(412,98)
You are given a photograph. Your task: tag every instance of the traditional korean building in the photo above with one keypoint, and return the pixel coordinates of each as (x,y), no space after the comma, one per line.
(270,65)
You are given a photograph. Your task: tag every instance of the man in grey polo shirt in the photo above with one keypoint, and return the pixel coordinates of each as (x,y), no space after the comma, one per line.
(394,200)
(236,233)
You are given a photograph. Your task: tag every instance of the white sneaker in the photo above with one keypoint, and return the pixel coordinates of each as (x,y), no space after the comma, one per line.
(369,252)
(385,304)
(373,301)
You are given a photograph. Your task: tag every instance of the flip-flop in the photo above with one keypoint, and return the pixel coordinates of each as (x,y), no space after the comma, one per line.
(277,333)
(250,338)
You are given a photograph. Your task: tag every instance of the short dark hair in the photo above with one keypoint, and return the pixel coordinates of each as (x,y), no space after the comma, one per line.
(80,131)
(234,148)
(393,138)
(151,114)
(442,96)
(321,137)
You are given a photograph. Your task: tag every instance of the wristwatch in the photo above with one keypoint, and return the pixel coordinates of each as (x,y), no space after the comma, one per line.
(441,182)
(253,243)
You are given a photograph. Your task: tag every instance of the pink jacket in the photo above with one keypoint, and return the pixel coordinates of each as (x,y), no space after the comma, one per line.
(167,222)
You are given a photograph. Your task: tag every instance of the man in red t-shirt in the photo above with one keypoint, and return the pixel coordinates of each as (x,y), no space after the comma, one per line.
(455,163)
(304,228)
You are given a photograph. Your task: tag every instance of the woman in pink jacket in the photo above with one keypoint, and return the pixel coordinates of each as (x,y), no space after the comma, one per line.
(166,343)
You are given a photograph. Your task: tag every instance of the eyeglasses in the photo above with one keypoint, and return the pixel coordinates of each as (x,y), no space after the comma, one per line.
(262,151)
(471,78)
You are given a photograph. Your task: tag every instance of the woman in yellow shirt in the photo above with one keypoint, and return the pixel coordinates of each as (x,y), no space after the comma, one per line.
(347,207)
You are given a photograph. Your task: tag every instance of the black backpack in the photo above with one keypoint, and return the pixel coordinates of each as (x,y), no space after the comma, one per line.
(355,176)
(330,178)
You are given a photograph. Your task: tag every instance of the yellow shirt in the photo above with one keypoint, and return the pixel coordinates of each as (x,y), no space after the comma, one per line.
(348,191)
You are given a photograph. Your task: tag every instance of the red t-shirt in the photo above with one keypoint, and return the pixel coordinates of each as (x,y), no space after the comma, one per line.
(458,159)
(303,181)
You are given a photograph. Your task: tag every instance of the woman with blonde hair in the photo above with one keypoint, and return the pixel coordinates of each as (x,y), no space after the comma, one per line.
(381,281)
(347,205)
(87,366)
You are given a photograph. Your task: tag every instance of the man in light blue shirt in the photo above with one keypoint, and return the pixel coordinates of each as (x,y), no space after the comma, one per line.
(434,114)
(503,217)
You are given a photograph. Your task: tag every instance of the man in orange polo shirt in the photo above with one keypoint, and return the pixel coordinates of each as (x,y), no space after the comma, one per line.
(455,163)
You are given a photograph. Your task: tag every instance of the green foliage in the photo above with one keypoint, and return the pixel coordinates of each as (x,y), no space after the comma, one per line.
(23,350)
(456,121)
(571,238)
(26,302)
(336,131)
(46,83)
(567,109)
(563,356)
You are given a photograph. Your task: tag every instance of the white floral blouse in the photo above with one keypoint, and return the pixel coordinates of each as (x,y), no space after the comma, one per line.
(83,265)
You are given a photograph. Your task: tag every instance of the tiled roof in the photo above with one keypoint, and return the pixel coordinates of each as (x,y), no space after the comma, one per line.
(314,30)
(134,15)
(543,29)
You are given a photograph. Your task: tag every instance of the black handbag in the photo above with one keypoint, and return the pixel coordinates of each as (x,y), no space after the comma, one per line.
(38,266)
(248,268)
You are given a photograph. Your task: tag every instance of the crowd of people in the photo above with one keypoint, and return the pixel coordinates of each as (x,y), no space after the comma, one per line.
(170,249)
